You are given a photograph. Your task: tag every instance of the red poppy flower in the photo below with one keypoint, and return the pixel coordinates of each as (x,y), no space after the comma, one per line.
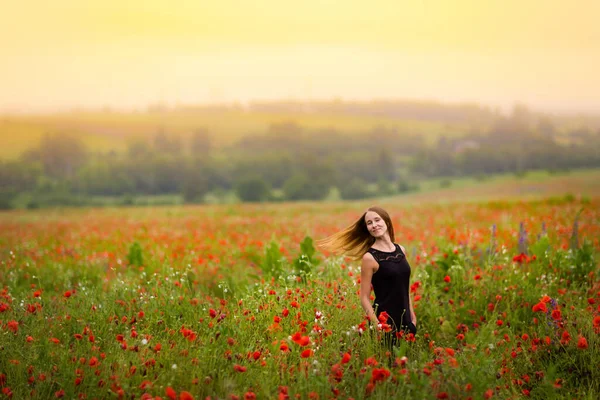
(185,396)
(306,353)
(541,306)
(239,368)
(582,343)
(346,358)
(171,394)
(379,374)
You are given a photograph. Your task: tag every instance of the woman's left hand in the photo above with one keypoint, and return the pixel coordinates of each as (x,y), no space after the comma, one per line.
(413,317)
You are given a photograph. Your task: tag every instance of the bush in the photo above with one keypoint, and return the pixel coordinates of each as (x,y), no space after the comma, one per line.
(252,189)
(355,189)
(300,187)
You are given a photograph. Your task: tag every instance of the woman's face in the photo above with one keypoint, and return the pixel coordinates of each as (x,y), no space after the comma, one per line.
(375,224)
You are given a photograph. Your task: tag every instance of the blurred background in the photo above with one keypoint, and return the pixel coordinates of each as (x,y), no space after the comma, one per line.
(170,102)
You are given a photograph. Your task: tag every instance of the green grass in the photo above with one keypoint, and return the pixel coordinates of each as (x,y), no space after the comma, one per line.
(533,184)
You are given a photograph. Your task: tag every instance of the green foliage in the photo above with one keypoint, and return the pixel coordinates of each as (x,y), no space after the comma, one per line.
(446,259)
(542,249)
(355,189)
(445,183)
(252,189)
(306,261)
(273,262)
(405,186)
(302,187)
(62,155)
(385,187)
(6,199)
(134,257)
(582,262)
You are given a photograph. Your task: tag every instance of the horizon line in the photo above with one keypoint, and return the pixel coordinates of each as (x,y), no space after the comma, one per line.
(167,106)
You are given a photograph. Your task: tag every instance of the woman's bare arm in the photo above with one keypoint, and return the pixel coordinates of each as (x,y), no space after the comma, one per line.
(413,316)
(367,269)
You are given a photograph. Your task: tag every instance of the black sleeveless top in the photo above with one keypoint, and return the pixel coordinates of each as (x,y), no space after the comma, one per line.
(391,284)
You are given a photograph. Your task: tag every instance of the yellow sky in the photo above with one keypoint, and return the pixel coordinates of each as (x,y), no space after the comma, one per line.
(61,54)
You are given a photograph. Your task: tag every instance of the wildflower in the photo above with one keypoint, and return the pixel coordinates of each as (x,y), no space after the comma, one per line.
(597,323)
(565,338)
(582,343)
(541,306)
(301,340)
(145,384)
(346,358)
(371,361)
(379,374)
(13,326)
(239,368)
(558,383)
(7,392)
(307,353)
(185,396)
(171,394)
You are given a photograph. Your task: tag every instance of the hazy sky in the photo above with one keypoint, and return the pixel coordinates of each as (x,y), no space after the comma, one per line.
(60,54)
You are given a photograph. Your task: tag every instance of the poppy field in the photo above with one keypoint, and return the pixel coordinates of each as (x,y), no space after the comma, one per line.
(237,302)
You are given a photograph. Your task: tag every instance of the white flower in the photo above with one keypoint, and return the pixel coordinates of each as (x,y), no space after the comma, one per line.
(174,366)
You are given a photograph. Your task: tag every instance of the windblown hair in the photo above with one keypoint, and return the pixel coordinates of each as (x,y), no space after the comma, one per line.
(355,240)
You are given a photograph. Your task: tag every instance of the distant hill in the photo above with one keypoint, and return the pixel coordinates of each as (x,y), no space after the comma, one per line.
(105,131)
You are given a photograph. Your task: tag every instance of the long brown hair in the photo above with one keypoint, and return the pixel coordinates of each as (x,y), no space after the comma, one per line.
(355,240)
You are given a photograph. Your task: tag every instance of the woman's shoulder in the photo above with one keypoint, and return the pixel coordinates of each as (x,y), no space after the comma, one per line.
(401,248)
(368,255)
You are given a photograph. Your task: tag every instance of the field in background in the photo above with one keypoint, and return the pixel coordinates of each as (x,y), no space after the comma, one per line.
(532,185)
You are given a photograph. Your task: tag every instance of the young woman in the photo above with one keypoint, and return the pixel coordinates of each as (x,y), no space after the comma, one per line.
(384,267)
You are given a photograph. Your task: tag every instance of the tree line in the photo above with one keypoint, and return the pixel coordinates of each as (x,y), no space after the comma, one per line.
(287,162)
